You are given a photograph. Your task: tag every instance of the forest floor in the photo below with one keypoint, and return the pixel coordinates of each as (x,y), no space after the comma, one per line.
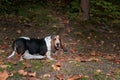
(93,52)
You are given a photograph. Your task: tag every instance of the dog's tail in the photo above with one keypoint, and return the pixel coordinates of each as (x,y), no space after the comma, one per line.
(13,53)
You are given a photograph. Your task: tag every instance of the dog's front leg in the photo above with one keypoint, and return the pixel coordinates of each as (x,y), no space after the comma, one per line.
(48,54)
(21,58)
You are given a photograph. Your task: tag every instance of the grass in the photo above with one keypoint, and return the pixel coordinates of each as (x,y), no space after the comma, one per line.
(1,69)
(10,68)
(16,76)
(37,65)
(116,74)
(101,77)
(37,14)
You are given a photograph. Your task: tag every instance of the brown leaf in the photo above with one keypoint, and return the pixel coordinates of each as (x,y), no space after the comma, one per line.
(75,77)
(110,57)
(93,53)
(19,31)
(93,59)
(72,50)
(56,66)
(22,72)
(3,46)
(117,61)
(2,51)
(32,74)
(77,59)
(60,77)
(33,78)
(4,75)
(27,65)
(46,75)
(4,66)
(98,71)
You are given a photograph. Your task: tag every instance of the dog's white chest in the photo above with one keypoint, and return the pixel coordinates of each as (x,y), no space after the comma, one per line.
(48,43)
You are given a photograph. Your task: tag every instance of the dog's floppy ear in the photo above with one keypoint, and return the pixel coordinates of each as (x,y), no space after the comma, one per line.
(62,45)
(52,44)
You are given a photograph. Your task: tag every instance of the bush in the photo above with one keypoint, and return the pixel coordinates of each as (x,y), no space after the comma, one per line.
(10,6)
(104,8)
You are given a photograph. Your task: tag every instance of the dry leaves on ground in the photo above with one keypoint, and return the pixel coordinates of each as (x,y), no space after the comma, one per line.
(60,76)
(4,75)
(46,75)
(25,73)
(76,77)
(56,66)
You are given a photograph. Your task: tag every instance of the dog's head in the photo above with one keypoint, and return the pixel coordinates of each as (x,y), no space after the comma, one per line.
(57,43)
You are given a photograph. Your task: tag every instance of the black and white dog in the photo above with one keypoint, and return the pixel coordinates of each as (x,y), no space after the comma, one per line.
(31,48)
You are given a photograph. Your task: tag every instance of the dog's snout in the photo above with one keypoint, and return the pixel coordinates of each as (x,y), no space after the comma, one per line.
(58,45)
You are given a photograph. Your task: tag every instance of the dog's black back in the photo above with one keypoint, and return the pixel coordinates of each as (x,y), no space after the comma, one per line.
(34,46)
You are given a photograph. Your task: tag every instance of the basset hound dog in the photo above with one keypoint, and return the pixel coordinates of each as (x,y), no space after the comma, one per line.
(31,48)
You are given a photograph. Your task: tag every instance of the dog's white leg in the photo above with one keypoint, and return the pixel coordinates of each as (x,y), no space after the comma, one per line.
(21,58)
(13,53)
(48,54)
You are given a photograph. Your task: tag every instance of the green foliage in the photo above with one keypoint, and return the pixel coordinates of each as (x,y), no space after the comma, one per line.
(9,6)
(73,9)
(1,69)
(101,10)
(105,10)
(10,68)
(102,7)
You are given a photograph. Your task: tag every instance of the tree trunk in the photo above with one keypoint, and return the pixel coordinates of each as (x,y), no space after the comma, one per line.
(85,6)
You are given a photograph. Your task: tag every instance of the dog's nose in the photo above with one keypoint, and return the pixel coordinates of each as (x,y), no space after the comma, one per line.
(58,45)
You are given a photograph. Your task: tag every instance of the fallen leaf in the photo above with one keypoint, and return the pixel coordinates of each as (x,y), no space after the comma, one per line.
(46,75)
(86,76)
(2,51)
(77,59)
(27,65)
(3,46)
(110,57)
(56,66)
(102,42)
(33,78)
(22,72)
(4,75)
(93,59)
(88,37)
(60,77)
(93,53)
(117,61)
(108,74)
(4,29)
(6,38)
(32,74)
(4,66)
(76,77)
(72,50)
(19,31)
(98,71)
